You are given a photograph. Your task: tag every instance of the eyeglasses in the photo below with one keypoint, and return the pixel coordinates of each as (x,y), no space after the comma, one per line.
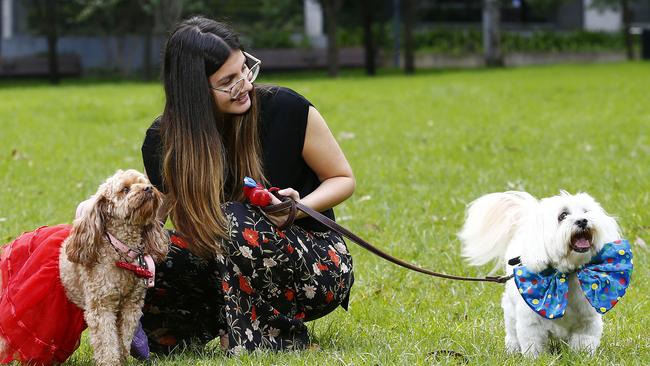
(236,88)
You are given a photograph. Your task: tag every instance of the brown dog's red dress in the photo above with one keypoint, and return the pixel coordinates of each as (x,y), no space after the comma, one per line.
(37,321)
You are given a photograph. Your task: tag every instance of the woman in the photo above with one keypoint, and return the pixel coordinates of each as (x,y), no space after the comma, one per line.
(231,272)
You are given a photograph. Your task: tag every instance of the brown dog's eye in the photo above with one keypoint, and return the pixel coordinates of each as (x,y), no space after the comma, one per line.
(126,190)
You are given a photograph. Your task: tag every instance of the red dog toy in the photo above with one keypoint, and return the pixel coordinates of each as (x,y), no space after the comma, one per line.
(256,194)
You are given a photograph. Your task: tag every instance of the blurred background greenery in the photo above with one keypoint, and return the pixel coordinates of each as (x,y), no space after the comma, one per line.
(124,38)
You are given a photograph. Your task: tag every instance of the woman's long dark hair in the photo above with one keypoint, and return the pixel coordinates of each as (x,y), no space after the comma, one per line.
(206,153)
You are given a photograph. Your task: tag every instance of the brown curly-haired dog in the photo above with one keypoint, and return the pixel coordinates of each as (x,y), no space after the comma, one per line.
(110,297)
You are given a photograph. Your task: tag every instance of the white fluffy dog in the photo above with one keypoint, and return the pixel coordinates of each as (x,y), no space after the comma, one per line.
(563,233)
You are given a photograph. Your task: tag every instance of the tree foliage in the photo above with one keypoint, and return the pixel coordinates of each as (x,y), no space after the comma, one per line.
(262,23)
(117,17)
(65,18)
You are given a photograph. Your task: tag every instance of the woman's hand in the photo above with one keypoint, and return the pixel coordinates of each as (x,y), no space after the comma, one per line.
(287,192)
(280,218)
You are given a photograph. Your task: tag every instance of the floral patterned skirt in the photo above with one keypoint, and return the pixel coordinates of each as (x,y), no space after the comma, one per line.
(260,292)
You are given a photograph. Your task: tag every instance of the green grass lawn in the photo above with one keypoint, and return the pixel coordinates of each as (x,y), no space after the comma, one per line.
(421,147)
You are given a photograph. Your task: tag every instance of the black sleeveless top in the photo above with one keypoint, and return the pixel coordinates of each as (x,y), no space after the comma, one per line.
(283,123)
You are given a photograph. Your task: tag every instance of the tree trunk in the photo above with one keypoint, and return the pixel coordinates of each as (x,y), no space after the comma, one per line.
(147,73)
(1,28)
(368,37)
(409,44)
(166,14)
(492,34)
(52,40)
(331,9)
(627,19)
(397,23)
(525,12)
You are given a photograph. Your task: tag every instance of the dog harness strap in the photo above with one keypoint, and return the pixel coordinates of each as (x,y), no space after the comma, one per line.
(293,206)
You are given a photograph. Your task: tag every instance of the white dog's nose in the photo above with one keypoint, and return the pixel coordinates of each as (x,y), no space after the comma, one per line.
(582,223)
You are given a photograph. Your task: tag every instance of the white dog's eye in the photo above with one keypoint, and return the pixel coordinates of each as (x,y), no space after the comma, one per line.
(562,216)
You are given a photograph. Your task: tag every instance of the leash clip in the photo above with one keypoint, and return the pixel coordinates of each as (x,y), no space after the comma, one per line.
(499,279)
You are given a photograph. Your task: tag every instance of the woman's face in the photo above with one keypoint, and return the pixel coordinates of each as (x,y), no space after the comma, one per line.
(231,71)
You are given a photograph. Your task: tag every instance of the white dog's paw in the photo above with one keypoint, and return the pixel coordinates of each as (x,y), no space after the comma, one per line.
(583,342)
(512,345)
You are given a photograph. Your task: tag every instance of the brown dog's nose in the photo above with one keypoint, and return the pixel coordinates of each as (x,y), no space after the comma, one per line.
(148,188)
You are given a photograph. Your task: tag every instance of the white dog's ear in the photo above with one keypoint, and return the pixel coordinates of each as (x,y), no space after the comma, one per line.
(87,230)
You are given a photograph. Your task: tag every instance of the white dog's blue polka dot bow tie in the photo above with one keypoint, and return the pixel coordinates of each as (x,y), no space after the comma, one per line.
(603,282)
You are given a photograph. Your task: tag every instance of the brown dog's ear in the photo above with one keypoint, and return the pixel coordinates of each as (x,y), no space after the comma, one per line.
(87,230)
(156,241)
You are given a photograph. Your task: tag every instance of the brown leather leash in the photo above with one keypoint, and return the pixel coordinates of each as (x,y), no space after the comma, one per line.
(293,207)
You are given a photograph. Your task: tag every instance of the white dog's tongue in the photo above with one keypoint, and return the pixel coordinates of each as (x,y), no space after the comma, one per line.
(582,243)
